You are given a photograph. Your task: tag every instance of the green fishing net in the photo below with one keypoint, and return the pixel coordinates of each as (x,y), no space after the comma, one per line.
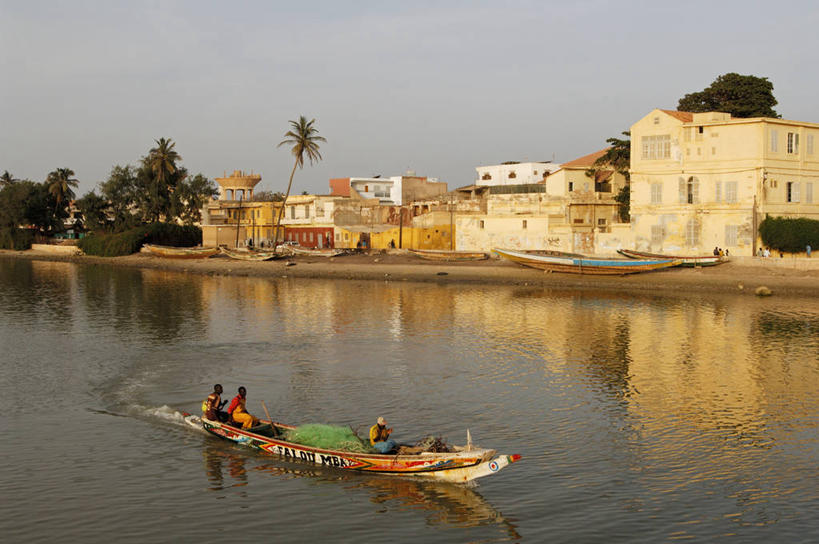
(328,437)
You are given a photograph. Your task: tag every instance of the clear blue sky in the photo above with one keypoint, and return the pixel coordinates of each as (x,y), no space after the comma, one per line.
(438,87)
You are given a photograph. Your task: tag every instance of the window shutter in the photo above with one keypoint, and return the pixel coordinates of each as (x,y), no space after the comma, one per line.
(718,191)
(683,192)
(695,190)
(795,192)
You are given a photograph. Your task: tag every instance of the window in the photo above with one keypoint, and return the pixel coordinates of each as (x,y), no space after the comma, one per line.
(535,173)
(571,186)
(366,188)
(731,192)
(307,211)
(656,193)
(656,120)
(793,143)
(524,223)
(338,237)
(792,191)
(292,212)
(319,209)
(481,224)
(810,144)
(486,176)
(689,190)
(718,191)
(774,140)
(692,233)
(346,236)
(731,235)
(656,147)
(311,236)
(601,222)
(809,193)
(657,234)
(512,175)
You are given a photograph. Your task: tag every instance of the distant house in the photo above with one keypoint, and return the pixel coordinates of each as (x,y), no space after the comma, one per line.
(392,191)
(514,173)
(700,180)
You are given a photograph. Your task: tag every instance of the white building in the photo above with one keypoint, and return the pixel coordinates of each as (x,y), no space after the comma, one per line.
(515,173)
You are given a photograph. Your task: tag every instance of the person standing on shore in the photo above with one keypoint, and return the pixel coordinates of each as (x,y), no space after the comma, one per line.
(808,250)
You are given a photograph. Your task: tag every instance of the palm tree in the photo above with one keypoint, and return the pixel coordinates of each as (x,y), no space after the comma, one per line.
(6,179)
(60,183)
(162,159)
(304,138)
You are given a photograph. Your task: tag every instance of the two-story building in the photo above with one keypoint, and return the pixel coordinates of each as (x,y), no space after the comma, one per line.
(515,173)
(391,191)
(705,180)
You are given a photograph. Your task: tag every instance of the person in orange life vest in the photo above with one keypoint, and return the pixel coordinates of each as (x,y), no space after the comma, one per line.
(380,437)
(213,405)
(238,410)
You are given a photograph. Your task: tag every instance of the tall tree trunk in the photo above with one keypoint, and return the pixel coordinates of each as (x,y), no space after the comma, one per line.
(281,210)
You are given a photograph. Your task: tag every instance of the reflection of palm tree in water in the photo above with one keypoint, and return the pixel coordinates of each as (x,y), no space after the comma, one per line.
(447,503)
(215,460)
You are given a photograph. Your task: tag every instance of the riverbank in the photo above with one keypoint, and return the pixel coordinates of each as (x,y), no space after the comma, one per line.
(740,275)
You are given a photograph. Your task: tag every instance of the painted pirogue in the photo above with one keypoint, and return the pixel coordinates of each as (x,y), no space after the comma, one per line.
(586,265)
(690,262)
(180,252)
(462,465)
(444,255)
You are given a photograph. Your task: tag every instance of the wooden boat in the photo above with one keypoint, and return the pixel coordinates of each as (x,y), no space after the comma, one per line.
(310,252)
(462,465)
(444,255)
(690,262)
(586,265)
(552,253)
(249,255)
(180,252)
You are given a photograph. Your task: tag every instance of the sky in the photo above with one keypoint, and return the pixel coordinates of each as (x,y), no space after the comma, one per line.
(435,87)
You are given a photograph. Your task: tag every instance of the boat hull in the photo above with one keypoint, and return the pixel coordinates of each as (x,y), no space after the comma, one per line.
(457,467)
(575,265)
(250,255)
(316,252)
(180,252)
(688,262)
(443,255)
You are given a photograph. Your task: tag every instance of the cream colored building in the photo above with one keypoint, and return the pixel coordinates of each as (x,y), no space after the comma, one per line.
(700,180)
(514,173)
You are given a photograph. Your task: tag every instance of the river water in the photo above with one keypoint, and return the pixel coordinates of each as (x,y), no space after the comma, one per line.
(639,418)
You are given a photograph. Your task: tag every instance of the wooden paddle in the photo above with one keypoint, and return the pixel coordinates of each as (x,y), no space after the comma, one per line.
(269,420)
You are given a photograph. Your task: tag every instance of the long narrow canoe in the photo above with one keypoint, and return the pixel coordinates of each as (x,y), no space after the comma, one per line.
(444,255)
(326,252)
(586,265)
(180,252)
(249,255)
(462,465)
(690,262)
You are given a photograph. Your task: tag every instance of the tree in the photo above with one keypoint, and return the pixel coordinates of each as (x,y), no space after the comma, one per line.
(60,184)
(618,158)
(6,179)
(268,196)
(304,139)
(190,195)
(94,211)
(741,96)
(120,192)
(157,179)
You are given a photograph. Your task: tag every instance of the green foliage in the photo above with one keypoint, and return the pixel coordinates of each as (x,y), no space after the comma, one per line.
(328,437)
(131,241)
(120,191)
(17,239)
(617,157)
(741,96)
(190,195)
(7,179)
(94,212)
(60,185)
(25,203)
(268,196)
(789,235)
(623,200)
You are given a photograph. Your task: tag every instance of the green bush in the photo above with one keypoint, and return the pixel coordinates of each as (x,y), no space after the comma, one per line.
(18,239)
(789,235)
(131,241)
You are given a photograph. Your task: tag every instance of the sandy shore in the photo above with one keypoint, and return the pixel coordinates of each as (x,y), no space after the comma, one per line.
(732,277)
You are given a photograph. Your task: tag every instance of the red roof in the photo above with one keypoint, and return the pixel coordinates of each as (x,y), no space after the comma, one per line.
(586,160)
(684,116)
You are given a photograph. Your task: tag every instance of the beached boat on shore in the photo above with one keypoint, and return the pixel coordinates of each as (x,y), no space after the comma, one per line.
(689,262)
(250,255)
(316,252)
(180,252)
(444,255)
(586,265)
(462,465)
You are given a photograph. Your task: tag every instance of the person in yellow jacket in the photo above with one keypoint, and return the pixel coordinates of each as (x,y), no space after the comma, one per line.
(238,410)
(380,437)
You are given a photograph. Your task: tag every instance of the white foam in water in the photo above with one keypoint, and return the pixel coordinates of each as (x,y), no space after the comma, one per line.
(164,412)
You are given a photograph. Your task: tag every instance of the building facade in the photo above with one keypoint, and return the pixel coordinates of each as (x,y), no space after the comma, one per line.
(706,180)
(514,173)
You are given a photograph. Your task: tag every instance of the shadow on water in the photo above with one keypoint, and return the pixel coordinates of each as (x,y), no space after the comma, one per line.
(444,503)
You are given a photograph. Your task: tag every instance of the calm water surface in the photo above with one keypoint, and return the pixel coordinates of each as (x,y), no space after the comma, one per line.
(639,419)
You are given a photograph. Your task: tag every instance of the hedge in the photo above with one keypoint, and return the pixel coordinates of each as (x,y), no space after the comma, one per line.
(789,235)
(18,239)
(130,241)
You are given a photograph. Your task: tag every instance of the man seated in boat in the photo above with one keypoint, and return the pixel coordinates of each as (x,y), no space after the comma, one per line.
(238,411)
(213,405)
(380,437)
